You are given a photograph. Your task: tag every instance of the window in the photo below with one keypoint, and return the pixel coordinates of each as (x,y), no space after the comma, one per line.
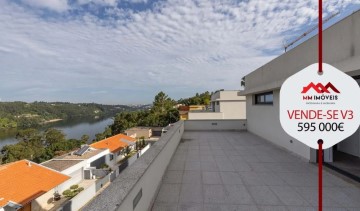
(217,103)
(111,156)
(264,98)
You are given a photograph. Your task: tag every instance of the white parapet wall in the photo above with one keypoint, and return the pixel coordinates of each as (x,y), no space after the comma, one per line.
(216,124)
(205,115)
(137,186)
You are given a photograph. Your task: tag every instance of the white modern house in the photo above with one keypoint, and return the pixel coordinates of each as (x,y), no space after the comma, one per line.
(75,163)
(225,104)
(341,49)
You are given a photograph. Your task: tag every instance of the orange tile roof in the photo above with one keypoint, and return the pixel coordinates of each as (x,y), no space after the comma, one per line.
(22,183)
(113,143)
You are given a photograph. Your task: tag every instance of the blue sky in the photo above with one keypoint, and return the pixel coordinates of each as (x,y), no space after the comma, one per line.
(126,51)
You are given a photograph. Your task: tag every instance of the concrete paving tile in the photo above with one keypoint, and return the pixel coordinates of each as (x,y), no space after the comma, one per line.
(191,177)
(192,166)
(251,158)
(177,165)
(164,207)
(169,193)
(342,198)
(260,167)
(214,194)
(190,207)
(263,195)
(211,178)
(191,193)
(295,208)
(224,166)
(208,166)
(207,158)
(238,194)
(273,208)
(251,178)
(288,196)
(241,166)
(270,178)
(232,178)
(222,207)
(310,194)
(173,177)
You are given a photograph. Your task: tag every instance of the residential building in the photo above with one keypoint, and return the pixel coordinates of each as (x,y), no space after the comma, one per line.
(79,164)
(116,145)
(137,132)
(341,49)
(183,112)
(25,185)
(225,104)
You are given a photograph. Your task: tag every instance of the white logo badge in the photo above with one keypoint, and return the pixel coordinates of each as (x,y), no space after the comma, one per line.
(314,106)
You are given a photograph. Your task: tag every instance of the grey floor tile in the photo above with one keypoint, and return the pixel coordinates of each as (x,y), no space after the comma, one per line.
(251,178)
(288,196)
(272,179)
(273,208)
(177,166)
(192,177)
(168,194)
(192,166)
(296,208)
(191,193)
(214,194)
(211,178)
(173,177)
(264,196)
(241,166)
(164,207)
(232,178)
(238,194)
(190,207)
(208,166)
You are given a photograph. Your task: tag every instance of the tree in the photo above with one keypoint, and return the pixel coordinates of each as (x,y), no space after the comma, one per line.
(85,138)
(53,136)
(242,83)
(162,103)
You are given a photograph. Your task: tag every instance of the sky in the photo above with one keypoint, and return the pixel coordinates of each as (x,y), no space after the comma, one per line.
(126,51)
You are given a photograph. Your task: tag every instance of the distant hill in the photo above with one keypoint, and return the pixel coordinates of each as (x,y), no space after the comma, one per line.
(26,115)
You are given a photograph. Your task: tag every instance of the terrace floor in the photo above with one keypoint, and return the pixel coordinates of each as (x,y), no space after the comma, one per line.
(240,171)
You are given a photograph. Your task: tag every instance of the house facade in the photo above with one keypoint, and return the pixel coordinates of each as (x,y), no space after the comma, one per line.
(117,146)
(27,186)
(137,132)
(341,49)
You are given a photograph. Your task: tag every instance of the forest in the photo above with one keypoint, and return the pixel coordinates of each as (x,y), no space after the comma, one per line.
(24,115)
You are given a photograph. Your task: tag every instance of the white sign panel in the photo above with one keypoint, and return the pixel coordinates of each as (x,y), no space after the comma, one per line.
(314,106)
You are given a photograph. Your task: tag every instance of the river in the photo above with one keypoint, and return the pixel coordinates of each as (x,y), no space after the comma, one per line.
(72,128)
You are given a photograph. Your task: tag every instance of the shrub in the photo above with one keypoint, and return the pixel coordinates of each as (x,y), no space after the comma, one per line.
(74,187)
(67,192)
(80,189)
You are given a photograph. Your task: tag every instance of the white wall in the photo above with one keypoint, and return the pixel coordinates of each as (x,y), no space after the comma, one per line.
(42,202)
(205,115)
(215,125)
(233,109)
(151,179)
(351,145)
(263,120)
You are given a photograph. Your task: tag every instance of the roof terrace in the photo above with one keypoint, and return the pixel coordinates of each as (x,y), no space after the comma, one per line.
(217,165)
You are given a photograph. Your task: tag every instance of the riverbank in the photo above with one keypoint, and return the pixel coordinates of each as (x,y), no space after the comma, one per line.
(52,120)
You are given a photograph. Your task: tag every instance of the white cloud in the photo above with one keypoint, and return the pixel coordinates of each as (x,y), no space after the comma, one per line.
(178,46)
(55,5)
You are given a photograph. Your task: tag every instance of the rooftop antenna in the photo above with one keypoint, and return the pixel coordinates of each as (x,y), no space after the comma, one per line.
(286,46)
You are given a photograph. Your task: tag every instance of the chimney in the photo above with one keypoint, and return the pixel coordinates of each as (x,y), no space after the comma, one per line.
(29,163)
